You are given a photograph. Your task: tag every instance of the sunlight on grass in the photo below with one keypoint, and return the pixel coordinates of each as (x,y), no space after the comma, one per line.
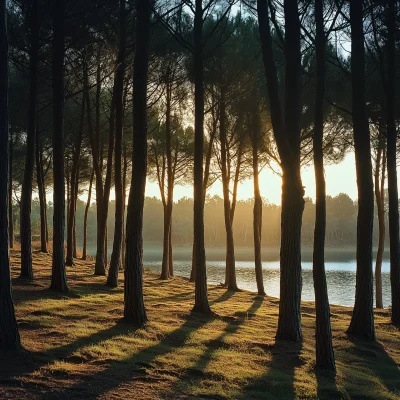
(77,347)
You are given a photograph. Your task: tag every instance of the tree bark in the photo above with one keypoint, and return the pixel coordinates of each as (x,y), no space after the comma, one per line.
(134,310)
(9,336)
(362,321)
(201,294)
(169,201)
(205,184)
(257,209)
(391,165)
(95,143)
(325,358)
(26,192)
(171,262)
(122,265)
(85,218)
(286,127)
(379,180)
(115,263)
(73,185)
(42,195)
(10,197)
(230,272)
(58,276)
(75,252)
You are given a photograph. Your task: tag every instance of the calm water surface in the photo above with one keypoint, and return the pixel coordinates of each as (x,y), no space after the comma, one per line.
(340,271)
(341,278)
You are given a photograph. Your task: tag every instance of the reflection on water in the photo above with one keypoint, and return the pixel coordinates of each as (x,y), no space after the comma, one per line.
(341,278)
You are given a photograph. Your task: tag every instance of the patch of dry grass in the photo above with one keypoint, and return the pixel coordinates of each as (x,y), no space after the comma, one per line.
(76,347)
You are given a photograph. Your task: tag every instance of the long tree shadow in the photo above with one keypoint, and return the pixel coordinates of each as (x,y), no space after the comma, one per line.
(278,381)
(197,371)
(326,386)
(25,362)
(223,297)
(374,356)
(137,366)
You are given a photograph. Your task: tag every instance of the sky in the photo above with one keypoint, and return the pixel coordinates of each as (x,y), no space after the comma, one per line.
(340,178)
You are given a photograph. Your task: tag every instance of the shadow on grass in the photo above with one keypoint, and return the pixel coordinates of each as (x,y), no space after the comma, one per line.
(378,361)
(223,297)
(196,373)
(133,368)
(326,386)
(278,381)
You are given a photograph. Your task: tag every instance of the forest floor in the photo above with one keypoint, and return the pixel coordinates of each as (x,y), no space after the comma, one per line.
(76,347)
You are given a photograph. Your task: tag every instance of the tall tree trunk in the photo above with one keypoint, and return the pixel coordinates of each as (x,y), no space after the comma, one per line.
(85,218)
(257,209)
(122,265)
(201,294)
(323,333)
(75,252)
(26,193)
(10,197)
(391,165)
(169,202)
(73,185)
(96,147)
(9,336)
(42,194)
(134,310)
(286,127)
(101,259)
(205,184)
(171,261)
(379,180)
(230,272)
(58,276)
(362,321)
(119,117)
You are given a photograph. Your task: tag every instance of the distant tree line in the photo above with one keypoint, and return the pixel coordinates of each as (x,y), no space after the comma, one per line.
(341,228)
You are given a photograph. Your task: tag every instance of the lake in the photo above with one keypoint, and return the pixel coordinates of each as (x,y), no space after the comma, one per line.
(341,278)
(340,270)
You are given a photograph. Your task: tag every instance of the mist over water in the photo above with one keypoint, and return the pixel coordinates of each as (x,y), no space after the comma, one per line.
(340,268)
(341,278)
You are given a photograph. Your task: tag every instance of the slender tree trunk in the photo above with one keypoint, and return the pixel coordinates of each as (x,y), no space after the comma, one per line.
(95,143)
(323,333)
(286,127)
(392,166)
(9,336)
(115,263)
(10,198)
(75,252)
(171,262)
(169,202)
(205,184)
(230,272)
(58,276)
(362,321)
(379,198)
(257,212)
(134,310)
(122,266)
(73,185)
(201,294)
(26,193)
(85,218)
(165,259)
(42,195)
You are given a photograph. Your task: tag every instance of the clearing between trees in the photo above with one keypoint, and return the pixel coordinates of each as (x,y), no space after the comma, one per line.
(76,347)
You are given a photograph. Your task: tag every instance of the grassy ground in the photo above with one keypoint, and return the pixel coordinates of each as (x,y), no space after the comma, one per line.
(76,347)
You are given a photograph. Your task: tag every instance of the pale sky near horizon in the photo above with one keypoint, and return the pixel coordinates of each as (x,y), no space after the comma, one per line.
(340,178)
